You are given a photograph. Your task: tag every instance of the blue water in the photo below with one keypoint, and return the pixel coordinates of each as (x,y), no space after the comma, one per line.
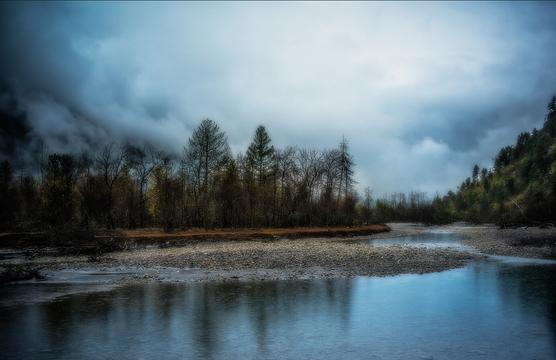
(438,239)
(490,309)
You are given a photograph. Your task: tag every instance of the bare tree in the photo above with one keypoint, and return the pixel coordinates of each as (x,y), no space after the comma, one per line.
(311,169)
(139,186)
(141,162)
(331,174)
(283,170)
(110,163)
(168,192)
(204,156)
(59,181)
(367,205)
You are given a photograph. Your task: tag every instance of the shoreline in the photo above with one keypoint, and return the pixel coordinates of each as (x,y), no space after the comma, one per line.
(526,242)
(293,259)
(127,239)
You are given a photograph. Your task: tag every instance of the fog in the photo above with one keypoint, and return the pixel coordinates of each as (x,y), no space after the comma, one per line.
(422,91)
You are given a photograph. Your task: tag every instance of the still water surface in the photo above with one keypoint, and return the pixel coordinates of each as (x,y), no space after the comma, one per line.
(434,239)
(490,309)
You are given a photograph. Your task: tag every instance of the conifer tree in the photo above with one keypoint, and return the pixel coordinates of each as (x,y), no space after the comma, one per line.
(260,154)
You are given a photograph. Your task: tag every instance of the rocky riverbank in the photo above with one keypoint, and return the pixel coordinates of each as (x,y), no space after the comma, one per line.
(310,258)
(307,258)
(260,259)
(529,242)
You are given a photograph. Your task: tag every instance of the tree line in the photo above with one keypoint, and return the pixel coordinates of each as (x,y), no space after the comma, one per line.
(129,186)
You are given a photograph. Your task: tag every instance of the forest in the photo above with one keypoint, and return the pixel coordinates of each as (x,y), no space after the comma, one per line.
(125,186)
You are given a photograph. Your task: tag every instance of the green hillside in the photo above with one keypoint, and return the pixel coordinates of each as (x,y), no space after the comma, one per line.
(520,188)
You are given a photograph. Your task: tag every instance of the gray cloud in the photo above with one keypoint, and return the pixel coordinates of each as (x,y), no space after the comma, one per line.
(422,90)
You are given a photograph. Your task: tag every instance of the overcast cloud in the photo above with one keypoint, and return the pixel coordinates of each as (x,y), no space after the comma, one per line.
(421,90)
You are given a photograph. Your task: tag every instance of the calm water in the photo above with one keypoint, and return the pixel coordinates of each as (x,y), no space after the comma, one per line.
(435,239)
(491,309)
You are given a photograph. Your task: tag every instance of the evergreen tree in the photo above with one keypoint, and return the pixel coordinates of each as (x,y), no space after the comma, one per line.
(260,154)
(345,167)
(550,124)
(475,173)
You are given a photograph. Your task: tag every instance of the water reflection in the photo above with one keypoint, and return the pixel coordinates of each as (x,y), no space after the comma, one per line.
(486,310)
(533,293)
(432,240)
(202,320)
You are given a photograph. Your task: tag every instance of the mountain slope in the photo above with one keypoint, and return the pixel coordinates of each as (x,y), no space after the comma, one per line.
(520,188)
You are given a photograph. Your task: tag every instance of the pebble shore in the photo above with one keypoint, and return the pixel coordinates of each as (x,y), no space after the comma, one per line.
(307,258)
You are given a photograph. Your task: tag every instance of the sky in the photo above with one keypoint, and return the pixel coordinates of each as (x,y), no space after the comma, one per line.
(422,91)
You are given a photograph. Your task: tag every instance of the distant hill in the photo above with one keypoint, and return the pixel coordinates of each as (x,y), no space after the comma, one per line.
(521,186)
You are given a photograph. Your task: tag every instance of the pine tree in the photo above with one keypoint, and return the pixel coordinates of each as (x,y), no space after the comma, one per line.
(552,105)
(345,166)
(475,173)
(260,160)
(550,124)
(260,154)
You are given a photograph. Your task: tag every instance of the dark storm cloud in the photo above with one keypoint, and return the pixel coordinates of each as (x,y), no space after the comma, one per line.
(15,131)
(422,90)
(46,74)
(463,126)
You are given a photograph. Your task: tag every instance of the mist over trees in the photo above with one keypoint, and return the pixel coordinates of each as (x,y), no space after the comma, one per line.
(128,186)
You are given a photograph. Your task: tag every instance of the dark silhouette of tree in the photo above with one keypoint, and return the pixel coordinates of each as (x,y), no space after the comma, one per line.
(260,160)
(331,174)
(8,199)
(110,163)
(141,162)
(345,164)
(91,188)
(345,185)
(504,157)
(367,206)
(260,154)
(167,191)
(475,173)
(28,201)
(204,157)
(58,186)
(231,204)
(286,173)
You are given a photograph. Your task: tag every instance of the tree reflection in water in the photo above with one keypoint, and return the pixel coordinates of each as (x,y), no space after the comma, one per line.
(487,309)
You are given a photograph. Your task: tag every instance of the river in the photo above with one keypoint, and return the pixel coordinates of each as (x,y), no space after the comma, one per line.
(495,308)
